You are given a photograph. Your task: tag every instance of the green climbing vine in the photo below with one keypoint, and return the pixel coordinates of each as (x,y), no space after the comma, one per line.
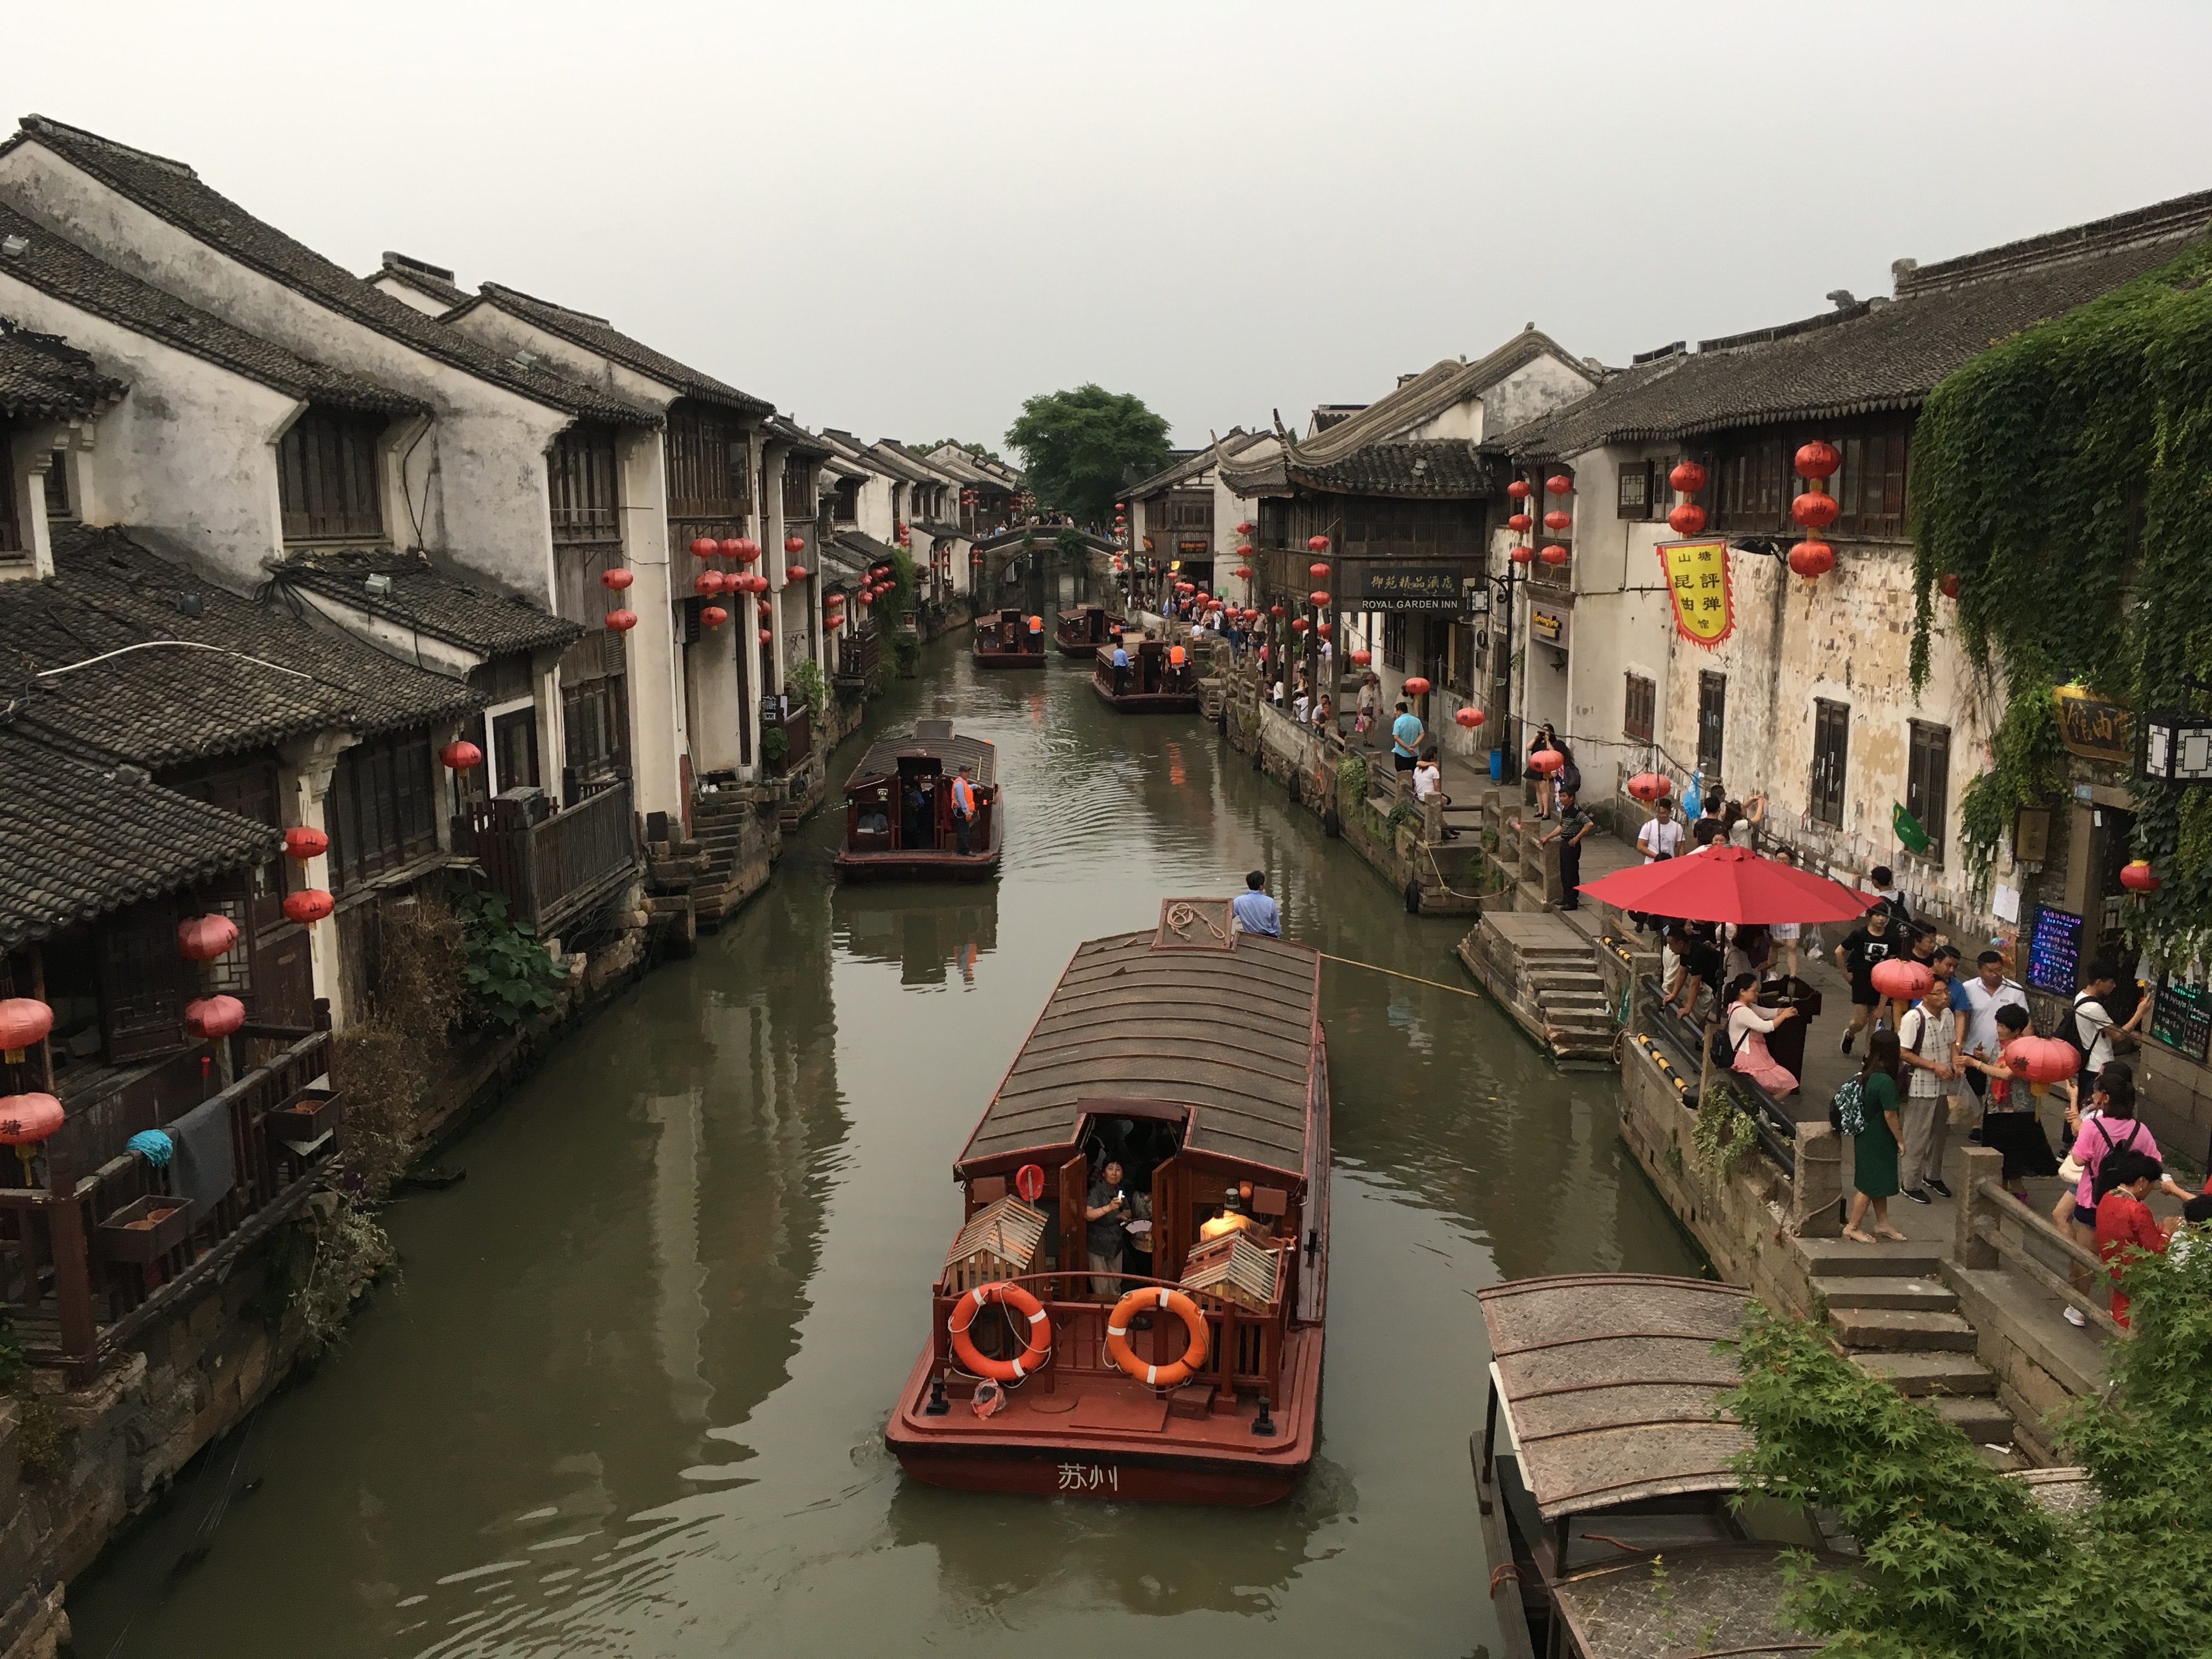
(1723,1132)
(808,678)
(2061,477)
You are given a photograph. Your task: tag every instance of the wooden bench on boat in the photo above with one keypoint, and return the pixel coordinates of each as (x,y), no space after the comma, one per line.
(898,809)
(1085,630)
(1154,683)
(1194,1056)
(1004,639)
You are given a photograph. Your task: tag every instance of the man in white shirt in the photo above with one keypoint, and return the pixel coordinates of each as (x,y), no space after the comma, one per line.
(2094,1024)
(1426,777)
(1661,837)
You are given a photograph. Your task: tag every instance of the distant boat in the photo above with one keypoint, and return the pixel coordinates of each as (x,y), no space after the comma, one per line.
(1160,679)
(898,809)
(1194,1056)
(1005,639)
(1085,630)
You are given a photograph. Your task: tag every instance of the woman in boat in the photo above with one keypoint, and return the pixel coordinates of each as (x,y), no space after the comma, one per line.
(1105,1231)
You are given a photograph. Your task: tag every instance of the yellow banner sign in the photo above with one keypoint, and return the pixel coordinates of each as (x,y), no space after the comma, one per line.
(1698,585)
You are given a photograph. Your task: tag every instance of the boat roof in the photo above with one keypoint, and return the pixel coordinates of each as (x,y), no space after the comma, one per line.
(1724,1599)
(1609,1384)
(1189,1013)
(933,738)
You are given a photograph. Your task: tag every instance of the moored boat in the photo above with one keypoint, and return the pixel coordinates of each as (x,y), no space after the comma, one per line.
(1159,679)
(1192,1057)
(899,821)
(1005,639)
(1086,629)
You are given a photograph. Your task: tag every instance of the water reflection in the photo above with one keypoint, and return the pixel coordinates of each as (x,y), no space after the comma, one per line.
(934,934)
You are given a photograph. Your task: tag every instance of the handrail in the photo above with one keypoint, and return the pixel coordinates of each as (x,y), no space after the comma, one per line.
(1989,1229)
(1776,1128)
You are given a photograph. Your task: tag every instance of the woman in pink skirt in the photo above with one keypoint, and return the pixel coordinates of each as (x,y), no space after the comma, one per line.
(1747,1026)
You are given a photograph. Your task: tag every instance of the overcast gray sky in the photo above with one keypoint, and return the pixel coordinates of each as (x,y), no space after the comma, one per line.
(903,219)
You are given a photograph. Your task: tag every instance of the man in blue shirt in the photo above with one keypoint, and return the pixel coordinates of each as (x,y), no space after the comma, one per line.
(1255,911)
(1406,734)
(1121,665)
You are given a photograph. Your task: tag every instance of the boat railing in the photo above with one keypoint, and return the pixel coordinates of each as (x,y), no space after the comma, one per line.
(1244,1346)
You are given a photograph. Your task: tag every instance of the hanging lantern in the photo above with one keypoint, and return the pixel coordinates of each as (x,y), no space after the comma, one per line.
(2136,876)
(1213,605)
(309,905)
(1318,544)
(1318,572)
(1298,624)
(1950,584)
(1417,687)
(214,1017)
(708,583)
(1251,615)
(1323,629)
(1244,527)
(2041,1060)
(865,598)
(622,621)
(1812,560)
(1903,980)
(1818,460)
(705,547)
(794,545)
(203,939)
(1648,786)
(303,843)
(1559,483)
(1553,554)
(1559,518)
(1362,657)
(1518,490)
(744,549)
(1275,611)
(763,609)
(460,756)
(1469,718)
(1320,598)
(1522,553)
(1687,519)
(615,580)
(1520,524)
(713,615)
(23,1021)
(1687,477)
(1546,761)
(766,636)
(1244,572)
(1815,509)
(796,573)
(27,1120)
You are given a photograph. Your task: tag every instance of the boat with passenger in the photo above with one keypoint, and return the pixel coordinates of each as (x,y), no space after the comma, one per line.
(1159,679)
(900,822)
(1171,1100)
(1007,639)
(1085,630)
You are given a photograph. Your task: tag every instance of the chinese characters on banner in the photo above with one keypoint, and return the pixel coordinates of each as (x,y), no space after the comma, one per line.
(1698,584)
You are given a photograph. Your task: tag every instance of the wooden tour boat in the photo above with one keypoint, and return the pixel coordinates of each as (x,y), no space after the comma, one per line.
(1005,639)
(1602,1451)
(898,809)
(1160,679)
(1194,1056)
(1084,630)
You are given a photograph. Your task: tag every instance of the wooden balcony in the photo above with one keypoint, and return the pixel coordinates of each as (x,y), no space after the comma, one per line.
(552,867)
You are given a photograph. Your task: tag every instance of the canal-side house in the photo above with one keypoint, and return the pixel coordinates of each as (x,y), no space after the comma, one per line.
(986,489)
(1403,496)
(1187,516)
(939,541)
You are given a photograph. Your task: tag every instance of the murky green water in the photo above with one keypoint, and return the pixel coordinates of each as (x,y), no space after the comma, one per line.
(628,1397)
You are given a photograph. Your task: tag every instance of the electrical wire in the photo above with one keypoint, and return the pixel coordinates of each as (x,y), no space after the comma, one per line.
(182,645)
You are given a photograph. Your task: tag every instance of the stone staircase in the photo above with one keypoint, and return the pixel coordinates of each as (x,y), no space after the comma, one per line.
(1892,1316)
(725,861)
(1571,1000)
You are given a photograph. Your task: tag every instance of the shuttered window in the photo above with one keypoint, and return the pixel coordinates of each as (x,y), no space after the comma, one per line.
(326,477)
(1831,742)
(1927,782)
(1640,708)
(1712,724)
(11,530)
(579,471)
(382,807)
(709,467)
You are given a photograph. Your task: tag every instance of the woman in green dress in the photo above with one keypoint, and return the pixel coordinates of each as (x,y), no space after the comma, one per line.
(1874,1149)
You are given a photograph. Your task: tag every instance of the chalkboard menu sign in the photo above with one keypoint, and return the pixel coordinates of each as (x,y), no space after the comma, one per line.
(2181,1018)
(2054,951)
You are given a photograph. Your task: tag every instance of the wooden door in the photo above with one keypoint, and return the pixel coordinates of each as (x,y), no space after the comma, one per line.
(142,984)
(1171,1222)
(1074,1253)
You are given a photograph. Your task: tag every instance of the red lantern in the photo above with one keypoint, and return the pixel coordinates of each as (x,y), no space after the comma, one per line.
(797,573)
(766,636)
(460,756)
(1547,760)
(865,598)
(1319,598)
(1950,584)
(1520,524)
(1417,687)
(1686,519)
(794,545)
(1298,624)
(1558,518)
(708,583)
(303,843)
(1244,572)
(214,1017)
(1244,550)
(26,1119)
(1469,718)
(713,615)
(1323,629)
(1903,980)
(1251,615)
(1518,490)
(23,1021)
(763,609)
(1814,509)
(2041,1059)
(1812,560)
(1244,527)
(203,939)
(1818,460)
(1559,483)
(1213,605)
(705,547)
(1648,786)
(1362,657)
(309,904)
(744,549)
(1318,572)
(615,580)
(1553,554)
(2136,876)
(1275,611)
(1687,477)
(622,621)
(1523,554)
(1318,544)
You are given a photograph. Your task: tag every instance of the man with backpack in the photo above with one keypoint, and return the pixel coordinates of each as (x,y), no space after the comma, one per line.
(2092,1029)
(1927,1035)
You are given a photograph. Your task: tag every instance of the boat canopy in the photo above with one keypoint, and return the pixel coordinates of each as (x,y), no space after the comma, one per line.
(1608,1383)
(1189,1014)
(932,740)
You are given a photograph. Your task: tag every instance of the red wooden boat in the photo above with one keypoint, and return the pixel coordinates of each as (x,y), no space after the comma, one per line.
(898,809)
(1086,629)
(1154,683)
(1005,639)
(1194,1056)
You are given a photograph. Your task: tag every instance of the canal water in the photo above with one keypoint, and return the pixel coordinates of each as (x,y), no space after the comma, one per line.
(626,1396)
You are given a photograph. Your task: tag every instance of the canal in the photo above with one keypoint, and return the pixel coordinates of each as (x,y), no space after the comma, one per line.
(627,1396)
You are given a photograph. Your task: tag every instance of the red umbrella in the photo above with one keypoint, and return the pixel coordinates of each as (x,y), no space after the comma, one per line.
(1729,884)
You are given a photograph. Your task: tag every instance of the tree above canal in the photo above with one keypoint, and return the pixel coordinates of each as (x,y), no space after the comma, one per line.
(1078,446)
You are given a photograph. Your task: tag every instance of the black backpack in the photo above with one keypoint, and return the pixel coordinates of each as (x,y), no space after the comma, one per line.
(1721,1047)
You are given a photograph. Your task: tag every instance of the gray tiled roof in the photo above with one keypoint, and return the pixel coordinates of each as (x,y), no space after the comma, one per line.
(172,191)
(940,531)
(238,677)
(443,607)
(57,267)
(422,279)
(597,334)
(1428,394)
(42,377)
(79,839)
(787,431)
(1440,468)
(1189,463)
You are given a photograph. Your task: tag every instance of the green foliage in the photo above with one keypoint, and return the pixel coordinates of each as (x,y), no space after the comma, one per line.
(1960,1561)
(1403,816)
(1723,1132)
(774,745)
(1077,447)
(1071,544)
(510,976)
(813,685)
(1350,780)
(2061,476)
(906,653)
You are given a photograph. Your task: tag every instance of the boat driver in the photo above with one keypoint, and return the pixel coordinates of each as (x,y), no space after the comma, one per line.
(963,806)
(1233,1219)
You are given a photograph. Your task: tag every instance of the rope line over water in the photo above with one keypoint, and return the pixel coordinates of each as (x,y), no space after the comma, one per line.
(1437,984)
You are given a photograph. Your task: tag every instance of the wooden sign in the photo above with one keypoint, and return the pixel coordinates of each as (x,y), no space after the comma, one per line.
(1698,586)
(2094,727)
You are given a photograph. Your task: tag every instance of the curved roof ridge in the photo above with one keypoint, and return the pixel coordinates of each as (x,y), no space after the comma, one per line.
(1428,394)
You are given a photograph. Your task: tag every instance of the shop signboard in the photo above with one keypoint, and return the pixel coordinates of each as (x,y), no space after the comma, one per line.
(1436,589)
(1698,586)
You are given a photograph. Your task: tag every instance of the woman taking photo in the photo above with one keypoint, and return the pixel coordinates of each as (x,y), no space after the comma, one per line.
(1747,1026)
(1874,1149)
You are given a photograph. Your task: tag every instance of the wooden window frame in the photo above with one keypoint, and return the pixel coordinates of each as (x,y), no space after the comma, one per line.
(1639,708)
(59,506)
(798,488)
(382,808)
(1712,720)
(1927,782)
(13,543)
(1824,795)
(709,465)
(330,476)
(583,489)
(1633,490)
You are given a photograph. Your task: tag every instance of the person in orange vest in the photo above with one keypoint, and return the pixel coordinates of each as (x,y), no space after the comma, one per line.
(1175,664)
(1037,634)
(964,807)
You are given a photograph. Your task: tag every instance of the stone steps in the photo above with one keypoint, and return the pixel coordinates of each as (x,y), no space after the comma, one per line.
(1844,1258)
(1979,1417)
(1872,1290)
(1919,1374)
(1903,1328)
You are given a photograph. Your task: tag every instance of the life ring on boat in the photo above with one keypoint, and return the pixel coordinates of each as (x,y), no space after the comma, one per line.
(972,1360)
(1117,1336)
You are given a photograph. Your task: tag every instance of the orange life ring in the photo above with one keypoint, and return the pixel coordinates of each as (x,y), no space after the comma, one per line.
(999,1370)
(1117,1336)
